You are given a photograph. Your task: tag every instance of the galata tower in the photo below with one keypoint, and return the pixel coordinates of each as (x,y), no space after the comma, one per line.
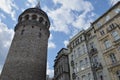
(27,56)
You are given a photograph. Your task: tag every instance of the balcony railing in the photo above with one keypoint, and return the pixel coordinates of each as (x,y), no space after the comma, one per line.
(72,63)
(93,51)
(74,76)
(117,63)
(97,66)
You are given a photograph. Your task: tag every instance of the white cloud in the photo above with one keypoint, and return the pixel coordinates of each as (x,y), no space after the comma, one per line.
(76,14)
(50,72)
(112,2)
(2,16)
(51,37)
(8,6)
(66,43)
(51,45)
(31,3)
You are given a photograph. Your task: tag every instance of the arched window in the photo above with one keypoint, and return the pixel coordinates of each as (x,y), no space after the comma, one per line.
(34,17)
(26,17)
(20,19)
(46,23)
(40,19)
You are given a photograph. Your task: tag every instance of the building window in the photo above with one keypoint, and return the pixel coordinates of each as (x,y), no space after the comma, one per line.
(92,45)
(107,18)
(86,62)
(79,51)
(102,32)
(83,77)
(40,19)
(95,59)
(118,75)
(113,58)
(81,65)
(89,76)
(75,54)
(26,17)
(107,44)
(117,10)
(98,24)
(100,75)
(77,67)
(71,57)
(115,35)
(83,48)
(119,48)
(77,42)
(78,78)
(34,17)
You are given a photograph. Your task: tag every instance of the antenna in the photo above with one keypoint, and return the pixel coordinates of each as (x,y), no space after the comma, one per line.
(38,4)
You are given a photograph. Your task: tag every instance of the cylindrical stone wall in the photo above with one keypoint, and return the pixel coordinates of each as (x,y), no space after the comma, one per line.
(27,57)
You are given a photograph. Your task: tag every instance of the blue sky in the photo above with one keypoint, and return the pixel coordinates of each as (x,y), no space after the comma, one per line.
(67,18)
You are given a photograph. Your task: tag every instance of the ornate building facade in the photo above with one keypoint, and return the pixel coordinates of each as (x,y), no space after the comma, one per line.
(107,28)
(61,66)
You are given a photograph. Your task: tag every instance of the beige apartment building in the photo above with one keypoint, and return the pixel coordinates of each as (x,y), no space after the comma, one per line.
(80,67)
(95,55)
(107,29)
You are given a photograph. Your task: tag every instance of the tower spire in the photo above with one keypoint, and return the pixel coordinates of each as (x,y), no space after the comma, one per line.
(38,4)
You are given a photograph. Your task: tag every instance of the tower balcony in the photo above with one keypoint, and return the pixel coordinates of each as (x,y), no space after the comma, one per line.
(97,66)
(93,51)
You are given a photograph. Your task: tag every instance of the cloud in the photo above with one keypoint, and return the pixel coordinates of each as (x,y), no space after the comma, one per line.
(67,18)
(50,72)
(31,3)
(8,6)
(66,43)
(2,16)
(51,45)
(112,2)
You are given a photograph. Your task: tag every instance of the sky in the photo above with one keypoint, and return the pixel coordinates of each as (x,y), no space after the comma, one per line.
(67,18)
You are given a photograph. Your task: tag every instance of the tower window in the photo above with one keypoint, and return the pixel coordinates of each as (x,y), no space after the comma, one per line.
(40,19)
(34,17)
(20,19)
(39,34)
(46,23)
(26,17)
(22,32)
(32,26)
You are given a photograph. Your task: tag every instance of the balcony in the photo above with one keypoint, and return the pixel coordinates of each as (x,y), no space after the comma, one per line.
(72,63)
(117,63)
(97,66)
(74,76)
(93,51)
(112,27)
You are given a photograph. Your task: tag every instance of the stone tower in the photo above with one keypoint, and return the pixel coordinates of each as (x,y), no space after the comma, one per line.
(27,55)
